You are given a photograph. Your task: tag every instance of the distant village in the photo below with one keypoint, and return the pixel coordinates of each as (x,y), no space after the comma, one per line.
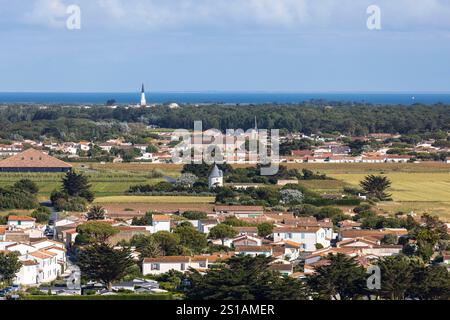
(374,148)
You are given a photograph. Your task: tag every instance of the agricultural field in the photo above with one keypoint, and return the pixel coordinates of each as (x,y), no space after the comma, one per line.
(155,199)
(423,187)
(105,181)
(415,188)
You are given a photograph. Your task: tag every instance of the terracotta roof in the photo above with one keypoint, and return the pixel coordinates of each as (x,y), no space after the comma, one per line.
(29,263)
(32,158)
(246,229)
(173,259)
(161,217)
(3,230)
(372,233)
(252,248)
(220,257)
(292,244)
(42,254)
(238,208)
(20,218)
(296,230)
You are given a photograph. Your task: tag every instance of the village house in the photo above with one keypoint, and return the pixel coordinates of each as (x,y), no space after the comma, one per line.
(254,251)
(21,222)
(240,211)
(160,265)
(308,237)
(42,261)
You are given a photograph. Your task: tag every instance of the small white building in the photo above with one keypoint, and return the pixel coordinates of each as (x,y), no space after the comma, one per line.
(215,178)
(21,222)
(162,265)
(160,223)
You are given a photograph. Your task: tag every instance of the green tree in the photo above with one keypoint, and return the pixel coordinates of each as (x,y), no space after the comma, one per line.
(75,185)
(195,215)
(9,266)
(342,279)
(376,187)
(291,197)
(101,262)
(96,213)
(41,214)
(95,232)
(190,237)
(147,246)
(265,229)
(222,232)
(390,239)
(146,220)
(397,276)
(26,185)
(431,283)
(169,243)
(244,278)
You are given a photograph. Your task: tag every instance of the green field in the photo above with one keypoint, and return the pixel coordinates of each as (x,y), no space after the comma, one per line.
(420,188)
(154,199)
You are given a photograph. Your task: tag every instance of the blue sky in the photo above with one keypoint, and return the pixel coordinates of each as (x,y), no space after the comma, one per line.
(225,45)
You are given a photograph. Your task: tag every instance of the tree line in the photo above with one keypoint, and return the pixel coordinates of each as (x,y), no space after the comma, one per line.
(100,122)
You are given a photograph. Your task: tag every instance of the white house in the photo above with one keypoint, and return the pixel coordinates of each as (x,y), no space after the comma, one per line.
(21,222)
(254,250)
(165,264)
(28,273)
(160,223)
(49,268)
(205,225)
(308,237)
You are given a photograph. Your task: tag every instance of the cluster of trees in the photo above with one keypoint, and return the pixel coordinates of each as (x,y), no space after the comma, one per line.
(21,195)
(75,194)
(289,195)
(163,187)
(250,278)
(75,123)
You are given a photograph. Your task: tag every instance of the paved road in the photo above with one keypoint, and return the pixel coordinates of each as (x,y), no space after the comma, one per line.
(54,216)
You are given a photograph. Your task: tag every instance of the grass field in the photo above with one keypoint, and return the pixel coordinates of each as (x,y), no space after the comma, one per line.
(154,199)
(423,187)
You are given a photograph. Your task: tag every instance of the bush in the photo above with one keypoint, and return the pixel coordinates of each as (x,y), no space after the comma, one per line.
(195,215)
(42,214)
(76,204)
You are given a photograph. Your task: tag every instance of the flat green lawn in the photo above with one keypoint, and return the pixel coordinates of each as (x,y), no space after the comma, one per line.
(103,183)
(154,199)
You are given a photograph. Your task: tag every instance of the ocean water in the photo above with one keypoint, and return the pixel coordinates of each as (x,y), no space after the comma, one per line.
(222,97)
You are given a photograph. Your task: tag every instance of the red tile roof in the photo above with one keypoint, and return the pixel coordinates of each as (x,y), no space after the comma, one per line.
(32,158)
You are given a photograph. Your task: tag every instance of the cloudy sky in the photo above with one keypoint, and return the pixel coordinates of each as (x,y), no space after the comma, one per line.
(225,45)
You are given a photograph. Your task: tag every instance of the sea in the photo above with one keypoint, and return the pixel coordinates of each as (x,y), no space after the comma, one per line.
(222,97)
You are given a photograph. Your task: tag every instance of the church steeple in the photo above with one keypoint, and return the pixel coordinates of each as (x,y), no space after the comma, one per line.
(143,90)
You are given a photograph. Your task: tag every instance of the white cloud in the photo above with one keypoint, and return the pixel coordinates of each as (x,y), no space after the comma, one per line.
(233,14)
(49,13)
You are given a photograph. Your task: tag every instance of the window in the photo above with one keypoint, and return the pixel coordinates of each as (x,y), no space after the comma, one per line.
(288,236)
(303,236)
(183,266)
(202,264)
(155,266)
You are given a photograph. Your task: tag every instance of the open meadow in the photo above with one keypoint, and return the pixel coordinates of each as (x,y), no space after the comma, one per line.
(423,187)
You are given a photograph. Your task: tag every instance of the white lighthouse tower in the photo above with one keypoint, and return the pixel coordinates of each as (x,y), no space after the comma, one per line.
(143,100)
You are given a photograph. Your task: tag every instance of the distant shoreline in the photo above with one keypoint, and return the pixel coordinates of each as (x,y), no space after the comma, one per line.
(222,98)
